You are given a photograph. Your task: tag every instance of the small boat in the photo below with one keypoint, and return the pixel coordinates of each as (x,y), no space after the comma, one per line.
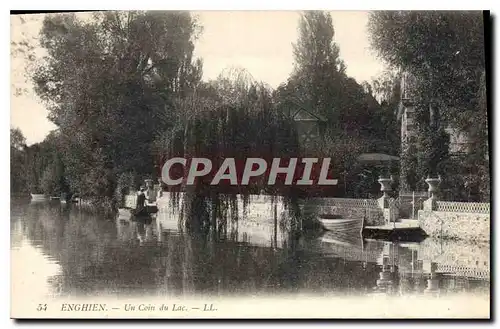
(124,213)
(143,219)
(344,239)
(151,207)
(349,247)
(142,216)
(130,213)
(70,201)
(38,197)
(343,225)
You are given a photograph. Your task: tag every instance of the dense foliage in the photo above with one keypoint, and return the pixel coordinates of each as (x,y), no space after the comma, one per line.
(110,84)
(126,93)
(18,179)
(38,168)
(355,122)
(444,53)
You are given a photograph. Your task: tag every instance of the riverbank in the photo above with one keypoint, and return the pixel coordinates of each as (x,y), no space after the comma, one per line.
(448,220)
(80,257)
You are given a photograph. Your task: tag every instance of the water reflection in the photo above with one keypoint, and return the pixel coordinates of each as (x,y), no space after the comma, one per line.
(96,256)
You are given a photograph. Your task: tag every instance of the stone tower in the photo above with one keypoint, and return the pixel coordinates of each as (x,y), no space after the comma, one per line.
(459,140)
(408,124)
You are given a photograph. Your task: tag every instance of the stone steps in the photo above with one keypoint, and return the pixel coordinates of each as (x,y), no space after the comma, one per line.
(408,221)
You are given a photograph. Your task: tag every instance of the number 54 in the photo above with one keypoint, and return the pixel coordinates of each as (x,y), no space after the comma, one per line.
(41,307)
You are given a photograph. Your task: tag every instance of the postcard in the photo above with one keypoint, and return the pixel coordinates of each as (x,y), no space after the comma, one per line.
(250,164)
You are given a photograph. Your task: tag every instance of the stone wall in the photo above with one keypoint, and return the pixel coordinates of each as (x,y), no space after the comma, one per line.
(347,208)
(464,257)
(130,200)
(455,225)
(261,208)
(406,203)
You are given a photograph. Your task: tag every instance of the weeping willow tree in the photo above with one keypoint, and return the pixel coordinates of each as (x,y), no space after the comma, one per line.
(231,117)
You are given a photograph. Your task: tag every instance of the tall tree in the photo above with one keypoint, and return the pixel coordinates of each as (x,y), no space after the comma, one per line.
(231,117)
(317,64)
(22,52)
(386,89)
(444,52)
(441,49)
(110,82)
(18,182)
(17,139)
(319,82)
(320,85)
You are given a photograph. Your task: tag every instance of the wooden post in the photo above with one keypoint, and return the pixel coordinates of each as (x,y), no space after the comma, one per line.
(392,209)
(275,225)
(413,206)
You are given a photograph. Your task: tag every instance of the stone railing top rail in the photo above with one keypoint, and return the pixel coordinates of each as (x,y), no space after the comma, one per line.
(464,271)
(410,195)
(342,202)
(469,207)
(339,202)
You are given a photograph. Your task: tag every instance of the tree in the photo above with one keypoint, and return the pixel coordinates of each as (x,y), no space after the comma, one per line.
(22,51)
(231,117)
(444,52)
(111,83)
(44,168)
(18,182)
(355,122)
(443,49)
(50,182)
(53,179)
(317,64)
(37,159)
(17,139)
(386,89)
(320,85)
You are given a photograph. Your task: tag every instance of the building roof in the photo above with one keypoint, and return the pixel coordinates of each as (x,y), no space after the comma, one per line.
(305,115)
(377,157)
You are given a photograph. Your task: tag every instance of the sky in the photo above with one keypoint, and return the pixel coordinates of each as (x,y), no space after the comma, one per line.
(258,41)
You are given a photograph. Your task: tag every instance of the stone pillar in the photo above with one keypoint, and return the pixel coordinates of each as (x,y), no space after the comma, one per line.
(385,281)
(159,188)
(433,280)
(430,204)
(386,203)
(433,186)
(150,190)
(385,187)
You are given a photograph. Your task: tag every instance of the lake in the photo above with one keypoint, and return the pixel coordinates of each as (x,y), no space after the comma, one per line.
(62,251)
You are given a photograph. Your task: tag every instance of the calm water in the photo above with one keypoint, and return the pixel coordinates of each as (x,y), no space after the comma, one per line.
(61,250)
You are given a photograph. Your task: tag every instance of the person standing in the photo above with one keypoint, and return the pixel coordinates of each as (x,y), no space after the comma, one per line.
(140,206)
(159,193)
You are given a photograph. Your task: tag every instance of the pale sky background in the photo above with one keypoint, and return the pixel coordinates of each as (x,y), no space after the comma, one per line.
(259,41)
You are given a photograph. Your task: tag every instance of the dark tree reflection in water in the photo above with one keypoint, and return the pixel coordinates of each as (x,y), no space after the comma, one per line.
(99,256)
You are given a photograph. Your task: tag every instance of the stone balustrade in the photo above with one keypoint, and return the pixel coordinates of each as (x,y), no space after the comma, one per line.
(465,207)
(345,203)
(455,225)
(261,208)
(454,220)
